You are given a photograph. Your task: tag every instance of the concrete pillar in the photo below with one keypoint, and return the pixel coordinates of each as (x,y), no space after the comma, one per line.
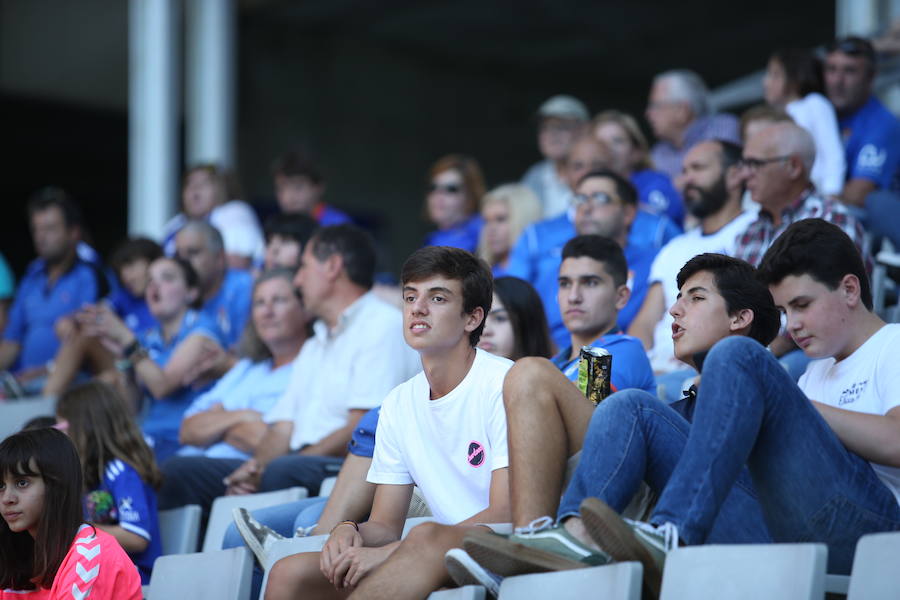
(152,115)
(210,81)
(856,17)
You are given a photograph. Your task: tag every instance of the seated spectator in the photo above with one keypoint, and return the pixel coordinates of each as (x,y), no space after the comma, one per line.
(871,136)
(711,186)
(506,211)
(455,185)
(606,205)
(822,454)
(355,356)
(561,119)
(55,285)
(758,117)
(680,115)
(120,472)
(209,193)
(631,158)
(592,290)
(165,360)
(300,186)
(224,292)
(516,326)
(447,293)
(588,153)
(793,83)
(286,235)
(130,262)
(43,536)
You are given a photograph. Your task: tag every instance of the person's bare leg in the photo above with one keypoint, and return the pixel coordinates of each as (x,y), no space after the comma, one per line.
(416,568)
(66,363)
(297,575)
(546,420)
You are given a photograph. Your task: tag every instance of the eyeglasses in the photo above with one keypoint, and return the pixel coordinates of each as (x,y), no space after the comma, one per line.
(754,164)
(447,188)
(596,199)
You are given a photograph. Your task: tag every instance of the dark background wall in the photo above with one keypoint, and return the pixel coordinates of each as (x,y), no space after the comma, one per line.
(379,89)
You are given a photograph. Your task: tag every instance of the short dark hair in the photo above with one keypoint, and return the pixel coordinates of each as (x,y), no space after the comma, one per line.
(624,188)
(854,45)
(298,162)
(802,70)
(531,335)
(50,454)
(132,250)
(736,282)
(355,247)
(50,197)
(819,249)
(601,249)
(296,226)
(460,265)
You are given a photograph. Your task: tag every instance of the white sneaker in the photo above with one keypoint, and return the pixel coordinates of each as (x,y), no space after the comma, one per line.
(258,537)
(465,571)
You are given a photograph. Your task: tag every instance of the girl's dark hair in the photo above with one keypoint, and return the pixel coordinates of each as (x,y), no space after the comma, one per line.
(49,454)
(132,250)
(526,315)
(102,429)
(802,70)
(737,284)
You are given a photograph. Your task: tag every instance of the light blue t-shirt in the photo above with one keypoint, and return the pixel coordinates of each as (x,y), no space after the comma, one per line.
(872,144)
(230,307)
(247,385)
(630,365)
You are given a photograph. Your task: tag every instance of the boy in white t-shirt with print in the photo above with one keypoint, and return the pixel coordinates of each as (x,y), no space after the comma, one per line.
(824,455)
(443,430)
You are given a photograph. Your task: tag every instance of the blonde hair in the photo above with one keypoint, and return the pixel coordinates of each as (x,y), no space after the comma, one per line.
(632,130)
(524,209)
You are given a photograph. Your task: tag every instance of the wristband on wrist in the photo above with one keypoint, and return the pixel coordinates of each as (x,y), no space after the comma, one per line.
(354,523)
(131,349)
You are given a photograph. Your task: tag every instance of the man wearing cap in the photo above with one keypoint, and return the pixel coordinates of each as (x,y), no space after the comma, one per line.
(560,120)
(871,136)
(679,112)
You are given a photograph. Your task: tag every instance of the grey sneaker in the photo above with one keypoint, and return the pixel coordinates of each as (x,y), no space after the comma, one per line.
(626,540)
(258,537)
(465,571)
(537,548)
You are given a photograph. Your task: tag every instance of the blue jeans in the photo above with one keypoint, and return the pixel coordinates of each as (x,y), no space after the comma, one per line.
(283,518)
(811,488)
(635,437)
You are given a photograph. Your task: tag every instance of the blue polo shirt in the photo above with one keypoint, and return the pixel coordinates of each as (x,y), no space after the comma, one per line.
(537,255)
(38,304)
(326,215)
(630,365)
(7,281)
(872,144)
(163,419)
(125,499)
(362,440)
(131,309)
(230,307)
(657,195)
(465,235)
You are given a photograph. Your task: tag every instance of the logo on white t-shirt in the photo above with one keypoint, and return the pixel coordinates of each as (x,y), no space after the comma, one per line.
(870,157)
(851,394)
(475,456)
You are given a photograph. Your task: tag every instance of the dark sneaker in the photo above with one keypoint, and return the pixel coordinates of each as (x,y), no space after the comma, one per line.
(465,571)
(627,540)
(534,549)
(258,537)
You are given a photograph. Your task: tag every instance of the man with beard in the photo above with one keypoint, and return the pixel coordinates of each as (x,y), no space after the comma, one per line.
(711,186)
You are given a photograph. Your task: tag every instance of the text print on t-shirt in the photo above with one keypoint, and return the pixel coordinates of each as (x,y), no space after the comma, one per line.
(476,454)
(852,393)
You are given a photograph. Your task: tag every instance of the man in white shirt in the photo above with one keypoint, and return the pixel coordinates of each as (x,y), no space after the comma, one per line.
(347,367)
(712,187)
(443,430)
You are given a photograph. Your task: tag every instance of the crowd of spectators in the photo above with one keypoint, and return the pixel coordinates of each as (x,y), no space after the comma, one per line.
(230,358)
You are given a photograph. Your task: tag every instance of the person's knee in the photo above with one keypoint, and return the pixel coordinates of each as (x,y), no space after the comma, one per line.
(628,400)
(735,349)
(291,574)
(527,381)
(425,538)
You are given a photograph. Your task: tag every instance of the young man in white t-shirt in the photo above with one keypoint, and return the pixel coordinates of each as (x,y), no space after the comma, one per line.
(825,456)
(443,430)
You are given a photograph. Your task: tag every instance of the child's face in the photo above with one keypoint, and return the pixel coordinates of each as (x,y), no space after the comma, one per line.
(498,337)
(167,291)
(22,501)
(282,251)
(701,317)
(134,276)
(433,317)
(816,315)
(589,300)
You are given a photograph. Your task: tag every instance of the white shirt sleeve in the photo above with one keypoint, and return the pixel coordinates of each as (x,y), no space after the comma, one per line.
(388,465)
(816,114)
(240,229)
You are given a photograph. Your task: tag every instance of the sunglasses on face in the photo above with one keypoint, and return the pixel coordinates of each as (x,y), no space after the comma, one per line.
(447,188)
(596,199)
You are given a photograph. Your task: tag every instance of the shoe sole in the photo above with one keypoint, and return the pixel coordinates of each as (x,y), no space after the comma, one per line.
(507,558)
(249,538)
(611,533)
(462,575)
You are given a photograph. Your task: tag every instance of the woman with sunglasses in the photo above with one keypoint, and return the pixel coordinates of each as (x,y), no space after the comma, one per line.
(455,184)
